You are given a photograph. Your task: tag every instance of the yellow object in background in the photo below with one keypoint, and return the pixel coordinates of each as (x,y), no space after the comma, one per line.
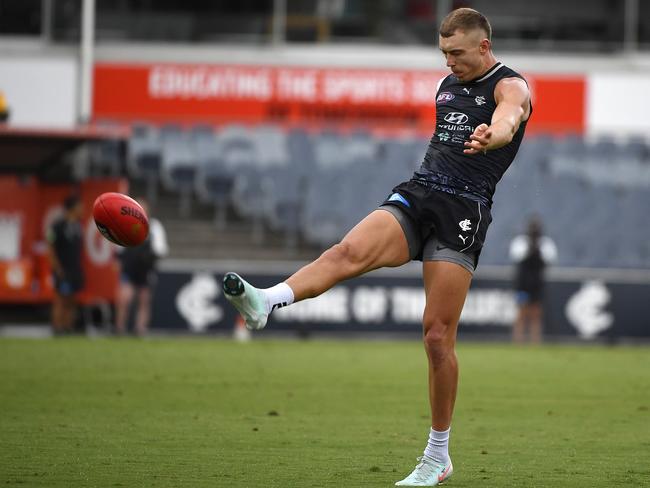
(4,109)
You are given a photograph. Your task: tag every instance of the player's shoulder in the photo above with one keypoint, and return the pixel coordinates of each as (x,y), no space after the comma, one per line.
(506,71)
(519,241)
(156,229)
(519,247)
(512,88)
(444,81)
(155,223)
(509,75)
(512,84)
(55,230)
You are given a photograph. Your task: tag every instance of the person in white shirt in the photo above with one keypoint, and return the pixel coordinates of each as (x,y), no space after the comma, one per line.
(138,277)
(531,253)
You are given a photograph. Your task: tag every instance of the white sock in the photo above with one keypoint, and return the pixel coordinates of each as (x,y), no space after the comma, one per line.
(278,296)
(438,446)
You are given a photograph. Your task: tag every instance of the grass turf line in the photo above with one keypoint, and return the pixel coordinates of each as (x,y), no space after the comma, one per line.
(190,413)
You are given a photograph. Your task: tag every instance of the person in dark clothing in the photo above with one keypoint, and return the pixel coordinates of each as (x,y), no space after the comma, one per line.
(531,253)
(139,276)
(65,246)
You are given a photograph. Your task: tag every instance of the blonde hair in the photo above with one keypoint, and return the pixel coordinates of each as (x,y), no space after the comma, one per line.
(465,19)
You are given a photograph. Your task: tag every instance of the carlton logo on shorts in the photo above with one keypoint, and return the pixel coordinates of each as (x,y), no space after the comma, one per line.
(465,225)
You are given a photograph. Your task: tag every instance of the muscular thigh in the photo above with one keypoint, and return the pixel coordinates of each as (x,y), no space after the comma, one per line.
(446,285)
(379,241)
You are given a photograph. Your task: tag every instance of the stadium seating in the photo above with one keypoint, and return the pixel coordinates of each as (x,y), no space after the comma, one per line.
(144,157)
(179,165)
(106,154)
(315,185)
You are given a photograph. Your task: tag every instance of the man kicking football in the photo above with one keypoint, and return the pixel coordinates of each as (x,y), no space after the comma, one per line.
(440,217)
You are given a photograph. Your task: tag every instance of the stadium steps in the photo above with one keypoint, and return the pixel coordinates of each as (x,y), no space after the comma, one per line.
(200,239)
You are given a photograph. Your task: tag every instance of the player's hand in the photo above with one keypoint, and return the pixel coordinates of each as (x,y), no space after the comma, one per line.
(479,140)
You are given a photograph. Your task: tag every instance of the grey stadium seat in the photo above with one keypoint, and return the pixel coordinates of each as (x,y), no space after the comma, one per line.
(214,185)
(144,157)
(179,168)
(272,148)
(323,219)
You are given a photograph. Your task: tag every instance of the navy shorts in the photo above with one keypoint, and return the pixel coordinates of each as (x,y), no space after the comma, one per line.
(439,226)
(529,297)
(69,285)
(140,279)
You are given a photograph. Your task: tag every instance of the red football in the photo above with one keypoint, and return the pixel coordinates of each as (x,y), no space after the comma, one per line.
(121,219)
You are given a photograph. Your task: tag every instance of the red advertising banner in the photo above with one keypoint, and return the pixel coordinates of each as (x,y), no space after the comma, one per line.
(27,209)
(220,93)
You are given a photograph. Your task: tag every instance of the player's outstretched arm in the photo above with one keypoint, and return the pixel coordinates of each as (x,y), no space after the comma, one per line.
(513,107)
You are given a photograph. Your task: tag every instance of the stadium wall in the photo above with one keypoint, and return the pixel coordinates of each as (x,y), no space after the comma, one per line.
(605,77)
(40,91)
(579,303)
(176,92)
(41,82)
(28,207)
(605,111)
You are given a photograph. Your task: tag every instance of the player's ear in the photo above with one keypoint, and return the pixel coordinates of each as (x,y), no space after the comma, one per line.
(484,46)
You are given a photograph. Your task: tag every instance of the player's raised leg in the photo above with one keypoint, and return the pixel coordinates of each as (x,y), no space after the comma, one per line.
(375,242)
(446,285)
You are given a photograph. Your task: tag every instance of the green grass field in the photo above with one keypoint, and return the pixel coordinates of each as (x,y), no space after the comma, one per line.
(206,413)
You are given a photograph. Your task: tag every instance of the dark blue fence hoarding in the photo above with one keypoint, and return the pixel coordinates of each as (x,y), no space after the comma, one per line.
(583,303)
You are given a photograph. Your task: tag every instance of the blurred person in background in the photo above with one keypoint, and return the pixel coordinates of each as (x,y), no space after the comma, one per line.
(4,109)
(439,217)
(65,249)
(138,276)
(531,253)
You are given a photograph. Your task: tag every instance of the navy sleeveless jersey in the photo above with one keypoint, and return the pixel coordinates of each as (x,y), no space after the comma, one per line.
(460,108)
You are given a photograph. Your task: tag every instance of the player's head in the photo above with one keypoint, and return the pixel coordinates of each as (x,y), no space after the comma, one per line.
(466,42)
(73,207)
(534,228)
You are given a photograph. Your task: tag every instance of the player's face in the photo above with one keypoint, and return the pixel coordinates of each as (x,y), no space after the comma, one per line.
(464,53)
(77,211)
